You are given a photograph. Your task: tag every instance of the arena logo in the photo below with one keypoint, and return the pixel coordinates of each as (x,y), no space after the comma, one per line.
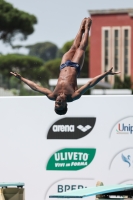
(71,128)
(63,128)
(123,127)
(70,159)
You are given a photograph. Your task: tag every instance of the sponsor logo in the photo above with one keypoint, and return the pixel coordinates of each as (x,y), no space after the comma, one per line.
(123,127)
(84,129)
(65,185)
(65,188)
(71,128)
(123,160)
(71,159)
(127,159)
(63,128)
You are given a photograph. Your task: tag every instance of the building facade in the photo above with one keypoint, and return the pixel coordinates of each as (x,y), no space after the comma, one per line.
(111,42)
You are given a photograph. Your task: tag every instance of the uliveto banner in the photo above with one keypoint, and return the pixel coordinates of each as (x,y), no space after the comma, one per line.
(71,159)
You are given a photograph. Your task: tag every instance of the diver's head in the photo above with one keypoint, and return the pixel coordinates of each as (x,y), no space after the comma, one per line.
(61,105)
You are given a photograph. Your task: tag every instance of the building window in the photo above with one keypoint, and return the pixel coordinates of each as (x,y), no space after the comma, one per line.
(106,48)
(106,52)
(126,51)
(116,50)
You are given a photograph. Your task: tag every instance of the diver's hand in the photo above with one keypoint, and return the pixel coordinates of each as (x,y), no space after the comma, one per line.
(110,72)
(16,75)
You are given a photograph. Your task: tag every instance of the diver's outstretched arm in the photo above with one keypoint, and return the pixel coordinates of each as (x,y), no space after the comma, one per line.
(92,83)
(32,85)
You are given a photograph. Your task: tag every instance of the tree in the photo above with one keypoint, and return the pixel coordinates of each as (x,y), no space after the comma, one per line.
(21,63)
(127,84)
(119,84)
(52,68)
(46,50)
(14,22)
(27,66)
(66,46)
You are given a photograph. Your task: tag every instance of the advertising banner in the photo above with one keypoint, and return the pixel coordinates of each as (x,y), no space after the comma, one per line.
(51,153)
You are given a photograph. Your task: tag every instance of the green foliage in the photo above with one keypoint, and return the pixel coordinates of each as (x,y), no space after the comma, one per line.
(13,82)
(15,92)
(28,66)
(118,83)
(20,63)
(46,50)
(66,46)
(17,46)
(25,92)
(14,21)
(52,67)
(59,53)
(126,84)
(40,75)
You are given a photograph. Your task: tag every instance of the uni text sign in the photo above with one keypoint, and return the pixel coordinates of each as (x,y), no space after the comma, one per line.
(71,159)
(71,128)
(123,128)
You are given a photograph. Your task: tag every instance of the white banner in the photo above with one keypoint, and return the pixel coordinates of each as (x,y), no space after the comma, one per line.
(52,153)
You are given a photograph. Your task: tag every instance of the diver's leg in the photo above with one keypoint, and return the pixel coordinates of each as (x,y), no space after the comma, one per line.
(76,43)
(80,52)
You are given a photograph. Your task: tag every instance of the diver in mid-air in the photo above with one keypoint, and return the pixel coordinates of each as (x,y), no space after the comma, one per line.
(66,89)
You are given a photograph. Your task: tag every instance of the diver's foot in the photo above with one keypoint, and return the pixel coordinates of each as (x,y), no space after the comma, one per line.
(88,23)
(82,27)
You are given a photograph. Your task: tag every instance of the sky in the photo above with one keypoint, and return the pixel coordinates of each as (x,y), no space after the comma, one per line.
(58,20)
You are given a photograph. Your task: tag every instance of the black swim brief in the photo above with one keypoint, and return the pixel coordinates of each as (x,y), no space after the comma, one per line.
(71,64)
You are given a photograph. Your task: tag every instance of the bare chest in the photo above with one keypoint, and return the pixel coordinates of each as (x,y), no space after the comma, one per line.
(67,88)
